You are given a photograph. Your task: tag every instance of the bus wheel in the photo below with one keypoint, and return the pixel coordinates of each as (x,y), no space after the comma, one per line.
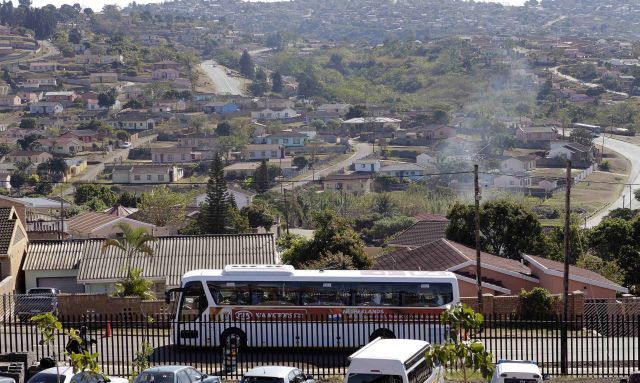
(383,333)
(225,337)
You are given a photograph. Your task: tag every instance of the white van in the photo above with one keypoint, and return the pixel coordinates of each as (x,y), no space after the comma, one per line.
(517,371)
(392,361)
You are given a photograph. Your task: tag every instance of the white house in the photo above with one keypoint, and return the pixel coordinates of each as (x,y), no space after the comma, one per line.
(511,182)
(367,165)
(136,174)
(45,108)
(255,152)
(403,170)
(274,114)
(241,196)
(518,164)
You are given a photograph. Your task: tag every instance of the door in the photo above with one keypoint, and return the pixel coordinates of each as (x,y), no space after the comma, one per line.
(192,313)
(64,284)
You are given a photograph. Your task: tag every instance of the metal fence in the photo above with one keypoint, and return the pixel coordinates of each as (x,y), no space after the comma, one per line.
(120,338)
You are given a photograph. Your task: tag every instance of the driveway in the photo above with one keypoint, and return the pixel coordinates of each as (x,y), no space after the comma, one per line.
(632,153)
(223,83)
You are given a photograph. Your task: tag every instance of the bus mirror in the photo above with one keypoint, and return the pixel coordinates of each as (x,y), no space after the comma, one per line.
(169,293)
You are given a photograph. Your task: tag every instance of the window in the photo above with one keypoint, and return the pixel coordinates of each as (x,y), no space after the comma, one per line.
(194,301)
(182,377)
(274,294)
(420,373)
(136,177)
(296,140)
(155,377)
(148,177)
(160,177)
(325,294)
(291,377)
(229,293)
(194,375)
(263,153)
(377,294)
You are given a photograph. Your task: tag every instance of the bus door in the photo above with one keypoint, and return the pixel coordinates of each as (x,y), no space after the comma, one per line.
(191,327)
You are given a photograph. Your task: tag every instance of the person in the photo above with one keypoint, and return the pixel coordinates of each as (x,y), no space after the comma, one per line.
(78,347)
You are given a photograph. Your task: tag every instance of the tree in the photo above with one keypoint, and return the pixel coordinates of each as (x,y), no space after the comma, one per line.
(308,83)
(384,205)
(247,68)
(132,242)
(300,162)
(223,129)
(88,11)
(29,142)
(333,234)
(28,123)
(258,215)
(609,237)
(214,214)
(135,286)
(133,104)
(461,351)
(75,37)
(581,136)
(608,269)
(331,261)
(87,192)
(388,226)
(276,82)
(162,207)
(502,223)
(356,111)
(4,150)
(122,135)
(18,179)
(107,98)
(48,326)
(261,178)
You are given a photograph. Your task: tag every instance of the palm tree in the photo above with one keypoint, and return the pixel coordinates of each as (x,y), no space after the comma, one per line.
(132,242)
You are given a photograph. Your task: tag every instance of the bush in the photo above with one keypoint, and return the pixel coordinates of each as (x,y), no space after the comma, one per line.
(605,166)
(536,304)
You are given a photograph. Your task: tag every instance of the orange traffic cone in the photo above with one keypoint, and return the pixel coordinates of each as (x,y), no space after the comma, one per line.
(107,333)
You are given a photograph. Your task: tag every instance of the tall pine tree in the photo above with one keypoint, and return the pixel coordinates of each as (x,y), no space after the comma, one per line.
(276,79)
(261,178)
(247,68)
(214,214)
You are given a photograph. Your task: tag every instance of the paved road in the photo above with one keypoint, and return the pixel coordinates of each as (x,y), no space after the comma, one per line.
(223,83)
(556,72)
(362,149)
(632,153)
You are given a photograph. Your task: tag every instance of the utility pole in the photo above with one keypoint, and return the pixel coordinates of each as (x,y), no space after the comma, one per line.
(477,230)
(286,209)
(630,196)
(565,288)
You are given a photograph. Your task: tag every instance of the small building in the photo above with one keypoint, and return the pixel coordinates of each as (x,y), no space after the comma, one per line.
(220,107)
(256,152)
(40,66)
(406,170)
(518,165)
(367,165)
(101,225)
(166,64)
(165,74)
(570,151)
(354,182)
(536,133)
(274,114)
(87,136)
(5,180)
(146,174)
(240,169)
(103,78)
(45,108)
(10,100)
(285,138)
(13,242)
(241,196)
(425,159)
(132,121)
(66,98)
(29,156)
(508,181)
(428,228)
(61,145)
(171,155)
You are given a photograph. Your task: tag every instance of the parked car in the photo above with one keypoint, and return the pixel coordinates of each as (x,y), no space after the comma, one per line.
(392,360)
(276,374)
(125,145)
(174,374)
(37,301)
(66,375)
(633,378)
(520,371)
(4,379)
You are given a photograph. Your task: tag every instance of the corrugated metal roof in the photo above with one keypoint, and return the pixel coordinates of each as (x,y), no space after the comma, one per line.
(174,256)
(8,219)
(55,255)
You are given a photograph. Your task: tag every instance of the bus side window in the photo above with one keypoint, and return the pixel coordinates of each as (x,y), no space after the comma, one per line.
(194,301)
(229,293)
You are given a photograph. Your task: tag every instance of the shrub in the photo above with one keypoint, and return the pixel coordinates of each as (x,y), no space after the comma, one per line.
(605,166)
(536,303)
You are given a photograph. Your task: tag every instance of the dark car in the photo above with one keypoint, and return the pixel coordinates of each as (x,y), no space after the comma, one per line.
(633,378)
(37,301)
(174,374)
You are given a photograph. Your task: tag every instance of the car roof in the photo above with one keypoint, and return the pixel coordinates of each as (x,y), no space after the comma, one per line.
(270,371)
(170,368)
(62,370)
(517,366)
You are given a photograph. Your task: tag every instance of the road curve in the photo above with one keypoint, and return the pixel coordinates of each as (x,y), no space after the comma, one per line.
(632,153)
(556,72)
(363,149)
(217,74)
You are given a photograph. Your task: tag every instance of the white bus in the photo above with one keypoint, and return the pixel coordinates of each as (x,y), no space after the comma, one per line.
(279,306)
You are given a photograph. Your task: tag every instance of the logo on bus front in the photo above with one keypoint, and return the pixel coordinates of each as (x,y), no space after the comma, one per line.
(243,315)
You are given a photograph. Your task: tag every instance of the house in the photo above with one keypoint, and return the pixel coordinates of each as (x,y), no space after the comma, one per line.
(10,100)
(277,103)
(518,165)
(199,97)
(45,108)
(367,165)
(592,284)
(39,216)
(146,174)
(240,169)
(61,145)
(274,114)
(570,151)
(28,97)
(220,107)
(5,180)
(165,74)
(198,141)
(101,225)
(508,181)
(425,159)
(166,64)
(132,121)
(103,78)
(371,123)
(536,133)
(13,242)
(241,196)
(339,110)
(428,228)
(354,182)
(256,152)
(65,98)
(439,132)
(403,170)
(87,136)
(40,81)
(75,166)
(29,156)
(54,264)
(168,106)
(500,276)
(285,138)
(171,155)
(39,67)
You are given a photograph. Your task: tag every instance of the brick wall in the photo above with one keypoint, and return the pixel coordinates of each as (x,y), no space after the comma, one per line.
(101,304)
(510,304)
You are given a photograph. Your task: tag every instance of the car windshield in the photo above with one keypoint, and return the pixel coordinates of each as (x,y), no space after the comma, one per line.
(374,378)
(87,377)
(155,377)
(262,379)
(46,378)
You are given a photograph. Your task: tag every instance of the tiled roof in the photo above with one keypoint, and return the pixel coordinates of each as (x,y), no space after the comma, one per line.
(8,220)
(420,234)
(431,217)
(442,255)
(174,256)
(574,271)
